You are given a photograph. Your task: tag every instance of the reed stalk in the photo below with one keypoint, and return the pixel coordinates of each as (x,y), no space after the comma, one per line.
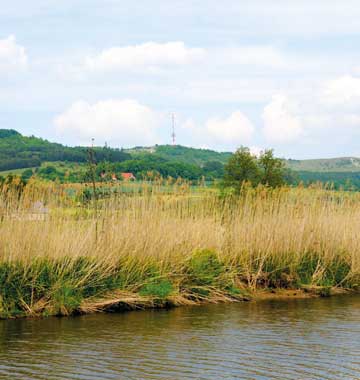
(170,244)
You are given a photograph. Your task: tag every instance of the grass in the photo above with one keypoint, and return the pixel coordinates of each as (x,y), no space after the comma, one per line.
(179,247)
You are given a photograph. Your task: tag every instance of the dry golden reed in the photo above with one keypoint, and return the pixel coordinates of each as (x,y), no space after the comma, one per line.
(168,242)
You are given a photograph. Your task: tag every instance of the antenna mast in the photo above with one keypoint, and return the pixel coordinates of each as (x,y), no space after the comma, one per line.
(173,135)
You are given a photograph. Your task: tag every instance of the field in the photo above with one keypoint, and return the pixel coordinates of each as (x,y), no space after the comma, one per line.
(170,245)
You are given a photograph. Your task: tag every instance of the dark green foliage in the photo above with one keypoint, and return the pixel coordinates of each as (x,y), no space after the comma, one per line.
(272,169)
(27,174)
(66,299)
(6,133)
(152,163)
(337,272)
(244,167)
(333,274)
(17,151)
(213,169)
(241,167)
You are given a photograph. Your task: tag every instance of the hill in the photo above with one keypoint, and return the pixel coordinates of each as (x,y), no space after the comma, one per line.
(348,180)
(52,160)
(183,154)
(17,151)
(342,164)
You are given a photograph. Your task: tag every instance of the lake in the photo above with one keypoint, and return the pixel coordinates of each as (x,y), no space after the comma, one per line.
(292,339)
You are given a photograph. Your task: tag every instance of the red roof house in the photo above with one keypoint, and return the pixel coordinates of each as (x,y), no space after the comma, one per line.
(128,177)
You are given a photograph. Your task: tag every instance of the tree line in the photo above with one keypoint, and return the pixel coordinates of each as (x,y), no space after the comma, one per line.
(17,151)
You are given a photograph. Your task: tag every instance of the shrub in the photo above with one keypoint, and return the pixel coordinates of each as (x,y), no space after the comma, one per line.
(204,267)
(160,288)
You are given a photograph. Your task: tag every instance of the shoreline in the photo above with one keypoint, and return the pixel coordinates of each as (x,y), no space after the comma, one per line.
(155,250)
(133,302)
(121,301)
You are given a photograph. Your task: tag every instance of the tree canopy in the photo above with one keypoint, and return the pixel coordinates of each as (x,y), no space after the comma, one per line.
(246,167)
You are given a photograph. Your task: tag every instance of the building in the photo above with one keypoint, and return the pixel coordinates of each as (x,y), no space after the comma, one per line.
(128,177)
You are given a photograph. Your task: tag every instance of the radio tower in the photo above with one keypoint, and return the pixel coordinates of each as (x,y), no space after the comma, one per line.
(173,135)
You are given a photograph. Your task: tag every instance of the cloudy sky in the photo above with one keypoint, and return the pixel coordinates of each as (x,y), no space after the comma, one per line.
(283,74)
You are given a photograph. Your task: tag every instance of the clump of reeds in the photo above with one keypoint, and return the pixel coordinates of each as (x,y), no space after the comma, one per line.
(157,247)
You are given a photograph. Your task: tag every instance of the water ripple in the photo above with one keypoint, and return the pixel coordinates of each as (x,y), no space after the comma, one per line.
(294,340)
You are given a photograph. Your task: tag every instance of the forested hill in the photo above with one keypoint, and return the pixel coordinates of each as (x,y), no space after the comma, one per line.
(178,153)
(21,152)
(342,164)
(17,151)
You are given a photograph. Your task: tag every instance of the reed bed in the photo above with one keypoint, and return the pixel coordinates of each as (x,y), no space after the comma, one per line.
(59,256)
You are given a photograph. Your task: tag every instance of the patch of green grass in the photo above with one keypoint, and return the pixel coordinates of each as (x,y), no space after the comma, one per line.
(65,299)
(332,273)
(204,268)
(160,288)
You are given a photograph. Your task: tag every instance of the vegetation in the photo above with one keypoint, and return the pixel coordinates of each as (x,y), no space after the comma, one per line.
(145,164)
(349,181)
(157,248)
(329,165)
(244,167)
(192,155)
(178,153)
(17,151)
(29,156)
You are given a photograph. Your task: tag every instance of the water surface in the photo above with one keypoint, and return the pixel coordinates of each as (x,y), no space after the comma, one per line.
(297,339)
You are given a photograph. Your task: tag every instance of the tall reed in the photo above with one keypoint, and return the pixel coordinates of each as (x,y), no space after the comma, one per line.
(170,244)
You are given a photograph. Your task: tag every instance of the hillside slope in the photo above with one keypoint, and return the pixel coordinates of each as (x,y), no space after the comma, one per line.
(17,151)
(21,152)
(342,164)
(178,153)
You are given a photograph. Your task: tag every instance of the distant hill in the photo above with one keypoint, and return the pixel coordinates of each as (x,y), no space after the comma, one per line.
(183,154)
(17,151)
(199,157)
(348,180)
(343,164)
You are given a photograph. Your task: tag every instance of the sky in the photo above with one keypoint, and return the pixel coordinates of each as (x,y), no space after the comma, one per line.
(281,74)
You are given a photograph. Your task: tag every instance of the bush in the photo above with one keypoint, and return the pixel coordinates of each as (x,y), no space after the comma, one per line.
(204,267)
(160,288)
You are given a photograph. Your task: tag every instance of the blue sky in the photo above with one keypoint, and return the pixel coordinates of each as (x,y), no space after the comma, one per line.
(265,74)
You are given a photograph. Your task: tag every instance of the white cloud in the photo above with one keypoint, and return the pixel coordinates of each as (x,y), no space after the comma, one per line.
(12,56)
(219,133)
(344,90)
(119,122)
(352,119)
(280,122)
(237,128)
(150,54)
(256,55)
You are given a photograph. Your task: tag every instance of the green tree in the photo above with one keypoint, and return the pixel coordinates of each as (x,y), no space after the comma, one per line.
(241,167)
(27,174)
(272,169)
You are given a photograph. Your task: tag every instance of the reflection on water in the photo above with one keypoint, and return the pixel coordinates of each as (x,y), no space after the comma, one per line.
(297,339)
